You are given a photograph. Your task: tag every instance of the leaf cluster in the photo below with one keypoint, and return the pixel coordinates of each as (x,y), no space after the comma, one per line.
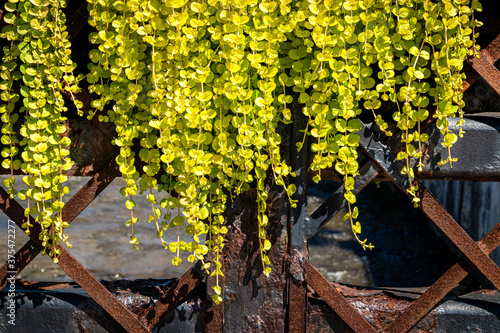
(201,86)
(36,35)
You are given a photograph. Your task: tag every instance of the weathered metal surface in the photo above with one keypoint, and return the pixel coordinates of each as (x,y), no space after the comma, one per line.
(474,312)
(297,306)
(214,314)
(436,212)
(432,296)
(335,300)
(175,295)
(477,152)
(485,65)
(431,207)
(76,271)
(70,211)
(296,288)
(381,154)
(62,307)
(66,308)
(254,302)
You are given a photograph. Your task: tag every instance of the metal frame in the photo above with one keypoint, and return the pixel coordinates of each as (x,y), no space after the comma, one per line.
(299,272)
(476,254)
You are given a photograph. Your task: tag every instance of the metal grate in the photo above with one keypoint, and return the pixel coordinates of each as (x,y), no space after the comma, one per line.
(381,162)
(299,272)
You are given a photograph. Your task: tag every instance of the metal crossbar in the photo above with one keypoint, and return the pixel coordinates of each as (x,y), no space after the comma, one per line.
(300,271)
(71,266)
(335,300)
(476,254)
(433,209)
(420,307)
(74,269)
(484,67)
(69,212)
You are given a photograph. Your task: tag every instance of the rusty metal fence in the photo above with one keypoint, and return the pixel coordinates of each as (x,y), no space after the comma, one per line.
(284,296)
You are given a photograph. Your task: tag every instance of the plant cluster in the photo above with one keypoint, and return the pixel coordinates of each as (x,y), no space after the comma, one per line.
(197,90)
(36,36)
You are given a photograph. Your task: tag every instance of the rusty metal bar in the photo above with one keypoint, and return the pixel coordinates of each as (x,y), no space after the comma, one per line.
(336,301)
(420,307)
(438,214)
(100,294)
(77,271)
(487,70)
(70,211)
(430,206)
(23,257)
(488,55)
(175,295)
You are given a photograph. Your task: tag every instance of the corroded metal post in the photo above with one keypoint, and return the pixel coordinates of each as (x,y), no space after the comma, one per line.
(297,292)
(253,302)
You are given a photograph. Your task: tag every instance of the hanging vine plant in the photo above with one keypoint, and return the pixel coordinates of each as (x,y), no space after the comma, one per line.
(202,86)
(37,37)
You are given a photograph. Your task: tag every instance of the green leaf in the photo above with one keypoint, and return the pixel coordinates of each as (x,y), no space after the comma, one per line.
(449,139)
(130,204)
(357,228)
(419,75)
(344,153)
(176,261)
(350,197)
(178,220)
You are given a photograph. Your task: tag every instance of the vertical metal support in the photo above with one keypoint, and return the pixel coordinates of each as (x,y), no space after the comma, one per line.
(297,292)
(214,314)
(252,301)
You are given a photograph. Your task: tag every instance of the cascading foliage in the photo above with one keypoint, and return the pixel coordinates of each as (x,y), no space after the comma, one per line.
(37,59)
(197,90)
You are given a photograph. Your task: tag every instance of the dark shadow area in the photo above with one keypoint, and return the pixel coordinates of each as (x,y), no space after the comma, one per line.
(407,253)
